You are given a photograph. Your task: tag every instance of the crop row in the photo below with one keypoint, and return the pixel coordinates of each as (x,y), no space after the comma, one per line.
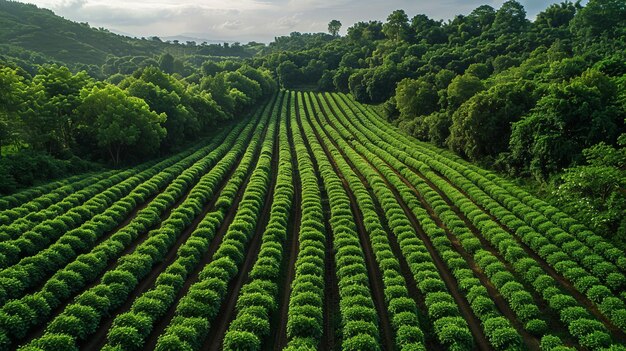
(591,251)
(306,300)
(130,330)
(595,334)
(117,283)
(110,206)
(32,211)
(197,309)
(457,230)
(498,329)
(32,271)
(402,309)
(358,315)
(258,298)
(451,329)
(32,194)
(533,210)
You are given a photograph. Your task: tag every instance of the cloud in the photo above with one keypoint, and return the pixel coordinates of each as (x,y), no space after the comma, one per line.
(245,20)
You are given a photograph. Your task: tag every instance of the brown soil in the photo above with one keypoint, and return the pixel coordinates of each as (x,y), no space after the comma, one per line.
(280,337)
(332,317)
(378,292)
(227,311)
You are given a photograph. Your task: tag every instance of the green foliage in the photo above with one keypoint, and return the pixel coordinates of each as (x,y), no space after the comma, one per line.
(121,124)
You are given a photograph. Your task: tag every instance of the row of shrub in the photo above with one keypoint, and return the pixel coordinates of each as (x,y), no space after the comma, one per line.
(32,271)
(591,251)
(457,230)
(105,204)
(450,328)
(197,310)
(88,267)
(359,319)
(401,308)
(32,193)
(30,211)
(258,298)
(536,212)
(306,300)
(80,319)
(131,329)
(595,335)
(498,329)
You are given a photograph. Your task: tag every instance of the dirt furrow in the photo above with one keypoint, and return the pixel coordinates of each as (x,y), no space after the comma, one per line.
(619,335)
(376,285)
(213,341)
(331,289)
(280,337)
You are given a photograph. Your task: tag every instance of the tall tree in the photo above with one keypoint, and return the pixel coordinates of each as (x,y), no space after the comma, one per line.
(397,26)
(333,27)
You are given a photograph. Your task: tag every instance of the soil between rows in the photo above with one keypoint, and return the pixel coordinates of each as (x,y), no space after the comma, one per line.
(227,311)
(280,337)
(373,270)
(331,290)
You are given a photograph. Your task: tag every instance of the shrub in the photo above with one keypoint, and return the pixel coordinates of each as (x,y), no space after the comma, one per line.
(241,341)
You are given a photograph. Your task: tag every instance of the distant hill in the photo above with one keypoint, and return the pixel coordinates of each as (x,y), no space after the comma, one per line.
(30,36)
(40,30)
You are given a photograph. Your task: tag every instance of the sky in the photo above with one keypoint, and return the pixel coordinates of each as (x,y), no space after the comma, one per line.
(251,20)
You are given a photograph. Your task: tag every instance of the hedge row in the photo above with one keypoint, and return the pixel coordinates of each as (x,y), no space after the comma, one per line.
(34,270)
(257,300)
(197,309)
(33,193)
(402,309)
(450,328)
(595,334)
(130,330)
(306,300)
(498,329)
(81,318)
(17,220)
(359,318)
(528,311)
(591,251)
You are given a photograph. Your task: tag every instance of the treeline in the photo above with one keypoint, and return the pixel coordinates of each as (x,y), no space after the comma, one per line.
(59,115)
(528,98)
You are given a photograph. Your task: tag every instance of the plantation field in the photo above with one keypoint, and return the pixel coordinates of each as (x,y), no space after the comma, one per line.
(311,225)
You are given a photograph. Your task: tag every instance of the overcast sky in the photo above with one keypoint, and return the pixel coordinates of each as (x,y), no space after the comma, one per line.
(246,20)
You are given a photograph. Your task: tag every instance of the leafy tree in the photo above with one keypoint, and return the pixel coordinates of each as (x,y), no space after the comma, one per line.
(12,89)
(166,63)
(55,95)
(415,98)
(596,192)
(574,115)
(368,31)
(482,125)
(333,27)
(288,74)
(121,124)
(397,26)
(510,18)
(601,18)
(461,89)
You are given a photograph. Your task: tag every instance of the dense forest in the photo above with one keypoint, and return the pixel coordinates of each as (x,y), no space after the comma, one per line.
(543,100)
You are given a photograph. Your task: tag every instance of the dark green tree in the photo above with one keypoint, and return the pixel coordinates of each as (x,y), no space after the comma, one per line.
(122,125)
(333,27)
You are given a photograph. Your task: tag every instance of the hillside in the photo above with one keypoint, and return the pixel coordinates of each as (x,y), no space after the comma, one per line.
(40,30)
